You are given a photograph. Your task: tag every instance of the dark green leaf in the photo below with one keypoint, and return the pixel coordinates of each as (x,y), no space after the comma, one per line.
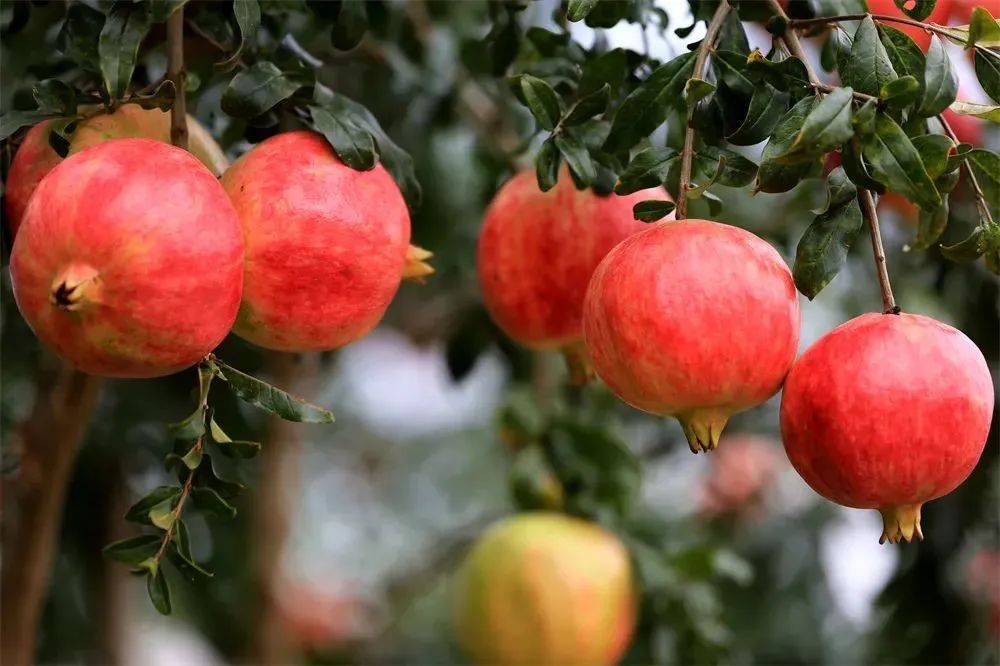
(988,73)
(698,189)
(916,9)
(55,97)
(736,171)
(732,69)
(353,144)
(869,67)
(930,226)
(983,29)
(896,163)
(247,13)
(863,120)
(766,108)
(827,126)
(986,165)
(80,34)
(607,13)
(940,84)
(774,176)
(139,512)
(823,248)
(856,169)
(906,57)
(933,149)
(547,165)
(210,501)
(271,399)
(732,36)
(649,168)
(351,25)
(697,89)
(578,9)
(234,448)
(124,29)
(652,210)
(844,46)
(159,591)
(542,100)
(581,167)
(12,121)
(193,426)
(179,552)
(133,550)
(610,68)
(900,93)
(160,10)
(969,249)
(588,106)
(256,90)
(786,75)
(647,106)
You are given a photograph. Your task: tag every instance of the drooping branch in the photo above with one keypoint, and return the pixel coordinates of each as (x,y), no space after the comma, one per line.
(687,154)
(981,202)
(798,24)
(178,76)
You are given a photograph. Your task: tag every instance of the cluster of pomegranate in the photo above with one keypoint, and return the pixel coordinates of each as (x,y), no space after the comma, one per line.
(131,259)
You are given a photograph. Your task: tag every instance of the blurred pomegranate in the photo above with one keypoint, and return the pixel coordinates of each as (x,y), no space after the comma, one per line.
(320,619)
(742,474)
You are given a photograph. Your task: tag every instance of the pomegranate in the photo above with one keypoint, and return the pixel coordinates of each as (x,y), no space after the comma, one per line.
(326,246)
(537,251)
(693,319)
(887,412)
(129,260)
(545,588)
(742,473)
(35,157)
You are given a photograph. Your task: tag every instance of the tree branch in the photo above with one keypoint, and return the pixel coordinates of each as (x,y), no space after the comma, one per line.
(178,76)
(981,202)
(687,154)
(797,24)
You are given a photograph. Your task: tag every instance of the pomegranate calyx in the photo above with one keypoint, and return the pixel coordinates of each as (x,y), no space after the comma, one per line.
(901,523)
(74,287)
(416,267)
(702,427)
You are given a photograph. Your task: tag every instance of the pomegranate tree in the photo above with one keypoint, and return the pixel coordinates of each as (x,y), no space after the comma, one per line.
(537,251)
(694,319)
(129,260)
(887,412)
(545,588)
(326,245)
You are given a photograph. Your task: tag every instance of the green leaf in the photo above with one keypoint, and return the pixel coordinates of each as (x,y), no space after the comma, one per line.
(827,126)
(139,512)
(869,67)
(896,163)
(578,9)
(697,89)
(776,176)
(55,97)
(118,46)
(354,145)
(581,167)
(969,249)
(900,93)
(351,24)
(988,72)
(80,35)
(162,515)
(732,69)
(930,226)
(652,210)
(193,426)
(133,550)
(247,14)
(206,499)
(844,45)
(160,10)
(647,106)
(12,121)
(239,448)
(989,112)
(983,29)
(735,171)
(256,90)
(588,106)
(649,168)
(271,399)
(788,74)
(179,552)
(610,68)
(933,149)
(856,169)
(916,9)
(986,165)
(823,248)
(542,100)
(192,458)
(766,108)
(697,190)
(732,36)
(159,591)
(940,84)
(864,118)
(906,57)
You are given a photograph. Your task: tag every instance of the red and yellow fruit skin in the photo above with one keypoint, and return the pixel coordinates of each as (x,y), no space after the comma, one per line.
(325,245)
(537,251)
(35,157)
(692,319)
(129,260)
(545,588)
(887,412)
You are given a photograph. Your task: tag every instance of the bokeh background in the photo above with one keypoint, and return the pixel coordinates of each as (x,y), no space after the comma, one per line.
(378,508)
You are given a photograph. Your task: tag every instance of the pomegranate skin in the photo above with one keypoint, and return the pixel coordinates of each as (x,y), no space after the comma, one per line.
(887,412)
(692,319)
(32,162)
(537,251)
(129,260)
(326,245)
(545,588)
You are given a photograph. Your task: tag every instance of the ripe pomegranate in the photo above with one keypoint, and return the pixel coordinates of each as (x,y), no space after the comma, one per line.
(35,157)
(694,319)
(537,251)
(545,588)
(326,246)
(887,412)
(742,473)
(939,15)
(129,260)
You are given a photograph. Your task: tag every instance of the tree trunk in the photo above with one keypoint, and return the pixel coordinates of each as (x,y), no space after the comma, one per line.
(33,503)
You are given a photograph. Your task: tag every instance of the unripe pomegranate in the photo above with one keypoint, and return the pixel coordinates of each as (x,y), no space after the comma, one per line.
(326,246)
(35,157)
(537,251)
(129,260)
(742,473)
(545,588)
(887,412)
(693,319)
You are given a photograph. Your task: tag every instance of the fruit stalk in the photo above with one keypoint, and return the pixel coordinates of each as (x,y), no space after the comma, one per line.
(178,77)
(687,154)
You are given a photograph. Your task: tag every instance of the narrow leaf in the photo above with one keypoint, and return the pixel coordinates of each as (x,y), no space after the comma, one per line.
(823,248)
(988,72)
(208,500)
(124,29)
(869,67)
(775,176)
(271,399)
(940,84)
(547,165)
(649,168)
(766,108)
(354,145)
(578,9)
(896,164)
(256,90)
(247,14)
(542,101)
(588,106)
(581,167)
(652,210)
(987,111)
(133,550)
(159,591)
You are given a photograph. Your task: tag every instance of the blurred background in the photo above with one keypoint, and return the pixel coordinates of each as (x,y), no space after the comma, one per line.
(359,526)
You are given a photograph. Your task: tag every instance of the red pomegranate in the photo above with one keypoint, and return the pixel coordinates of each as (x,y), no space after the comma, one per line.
(942,10)
(742,473)
(545,588)
(129,260)
(537,251)
(326,246)
(693,319)
(35,157)
(887,412)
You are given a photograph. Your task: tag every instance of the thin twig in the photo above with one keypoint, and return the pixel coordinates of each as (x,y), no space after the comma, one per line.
(177,75)
(687,154)
(168,535)
(983,206)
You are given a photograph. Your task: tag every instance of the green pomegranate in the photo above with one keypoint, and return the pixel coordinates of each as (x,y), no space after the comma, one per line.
(545,588)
